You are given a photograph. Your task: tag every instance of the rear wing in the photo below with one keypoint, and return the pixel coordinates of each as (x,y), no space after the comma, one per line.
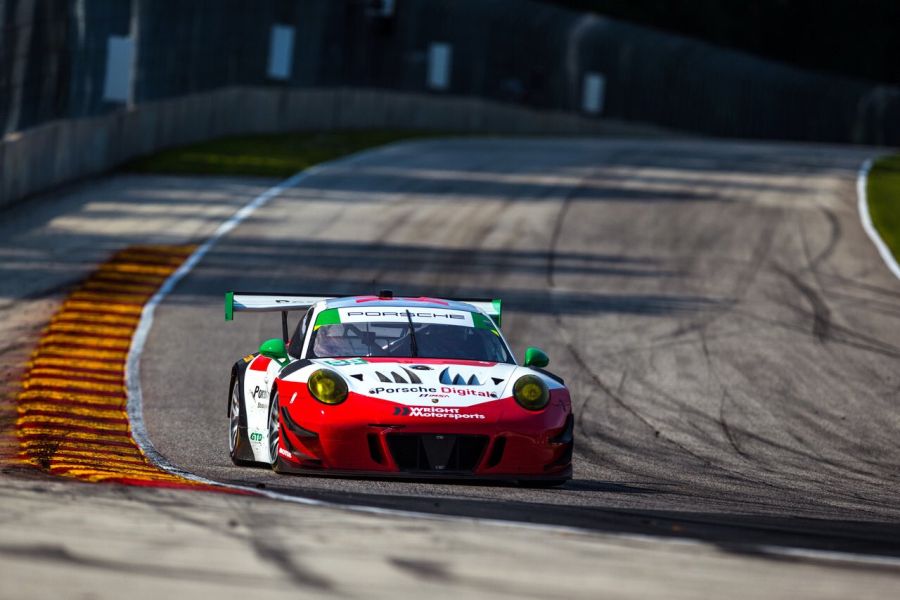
(267,302)
(283,303)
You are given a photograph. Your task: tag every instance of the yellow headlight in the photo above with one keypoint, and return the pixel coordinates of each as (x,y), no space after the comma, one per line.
(531,392)
(327,387)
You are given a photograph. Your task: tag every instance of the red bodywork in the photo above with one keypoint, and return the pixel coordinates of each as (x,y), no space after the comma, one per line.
(353,437)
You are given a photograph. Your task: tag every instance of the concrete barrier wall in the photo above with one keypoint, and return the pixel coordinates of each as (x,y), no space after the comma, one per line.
(58,152)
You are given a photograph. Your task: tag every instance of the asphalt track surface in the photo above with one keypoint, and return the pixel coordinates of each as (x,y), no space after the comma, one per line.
(730,335)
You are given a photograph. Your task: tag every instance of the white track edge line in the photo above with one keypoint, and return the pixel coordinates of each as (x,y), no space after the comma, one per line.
(134,409)
(887,256)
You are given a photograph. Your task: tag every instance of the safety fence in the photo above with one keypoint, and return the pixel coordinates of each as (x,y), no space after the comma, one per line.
(85,59)
(76,58)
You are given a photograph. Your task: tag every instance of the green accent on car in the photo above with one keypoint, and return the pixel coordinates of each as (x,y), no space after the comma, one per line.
(483,322)
(498,307)
(274,348)
(229,306)
(330,316)
(535,357)
(256,437)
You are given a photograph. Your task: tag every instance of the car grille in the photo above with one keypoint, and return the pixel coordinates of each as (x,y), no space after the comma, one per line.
(437,452)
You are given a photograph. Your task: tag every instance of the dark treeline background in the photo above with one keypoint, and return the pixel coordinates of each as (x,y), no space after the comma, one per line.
(858,38)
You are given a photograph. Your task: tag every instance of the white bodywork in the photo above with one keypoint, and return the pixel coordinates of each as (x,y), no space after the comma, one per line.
(257,388)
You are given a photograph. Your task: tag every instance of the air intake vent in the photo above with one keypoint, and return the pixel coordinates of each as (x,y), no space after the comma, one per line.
(398,377)
(437,453)
(449,378)
(497,452)
(375,448)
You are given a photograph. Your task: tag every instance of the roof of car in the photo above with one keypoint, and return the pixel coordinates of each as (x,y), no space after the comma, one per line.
(421,302)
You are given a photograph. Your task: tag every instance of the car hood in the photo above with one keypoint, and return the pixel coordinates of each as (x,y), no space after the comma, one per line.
(457,383)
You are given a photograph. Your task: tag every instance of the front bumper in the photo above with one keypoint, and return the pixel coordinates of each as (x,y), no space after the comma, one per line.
(370,437)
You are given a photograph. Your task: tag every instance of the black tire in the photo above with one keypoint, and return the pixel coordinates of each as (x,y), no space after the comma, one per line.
(274,438)
(238,445)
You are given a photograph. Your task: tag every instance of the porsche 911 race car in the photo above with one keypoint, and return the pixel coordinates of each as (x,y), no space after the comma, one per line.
(378,386)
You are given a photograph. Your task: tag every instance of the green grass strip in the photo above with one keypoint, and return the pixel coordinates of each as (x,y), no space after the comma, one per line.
(279,155)
(884,200)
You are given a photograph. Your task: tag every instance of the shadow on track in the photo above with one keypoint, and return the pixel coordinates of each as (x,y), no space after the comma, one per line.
(733,532)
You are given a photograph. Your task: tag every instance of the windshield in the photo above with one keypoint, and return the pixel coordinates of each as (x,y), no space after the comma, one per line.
(481,341)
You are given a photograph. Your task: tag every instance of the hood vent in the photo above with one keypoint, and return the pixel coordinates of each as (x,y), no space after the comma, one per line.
(448,378)
(397,377)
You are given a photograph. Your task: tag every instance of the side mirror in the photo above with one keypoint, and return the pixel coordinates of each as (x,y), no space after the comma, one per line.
(273,348)
(535,357)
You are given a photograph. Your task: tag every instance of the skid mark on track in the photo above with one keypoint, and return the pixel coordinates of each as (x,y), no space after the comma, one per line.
(729,434)
(821,314)
(574,352)
(834,237)
(71,417)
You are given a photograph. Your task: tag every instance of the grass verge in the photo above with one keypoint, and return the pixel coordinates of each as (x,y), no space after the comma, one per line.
(278,155)
(884,200)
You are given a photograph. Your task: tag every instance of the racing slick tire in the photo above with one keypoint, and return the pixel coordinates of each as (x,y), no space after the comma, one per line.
(274,438)
(238,445)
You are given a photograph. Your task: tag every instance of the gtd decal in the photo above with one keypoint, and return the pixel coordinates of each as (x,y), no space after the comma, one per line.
(256,436)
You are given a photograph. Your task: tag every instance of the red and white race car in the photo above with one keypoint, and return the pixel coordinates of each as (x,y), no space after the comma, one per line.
(412,387)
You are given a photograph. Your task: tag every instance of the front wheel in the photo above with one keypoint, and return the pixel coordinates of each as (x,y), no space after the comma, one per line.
(274,432)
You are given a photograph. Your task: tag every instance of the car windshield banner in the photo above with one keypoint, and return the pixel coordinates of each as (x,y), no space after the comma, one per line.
(399,315)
